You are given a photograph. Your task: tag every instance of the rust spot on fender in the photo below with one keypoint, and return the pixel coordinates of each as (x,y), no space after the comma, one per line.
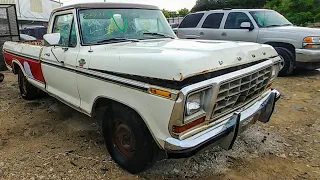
(181,77)
(203,72)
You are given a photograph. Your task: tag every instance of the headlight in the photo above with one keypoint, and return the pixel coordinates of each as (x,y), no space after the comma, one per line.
(311,42)
(194,103)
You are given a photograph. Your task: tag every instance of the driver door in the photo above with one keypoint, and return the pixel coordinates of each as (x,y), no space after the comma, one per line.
(59,62)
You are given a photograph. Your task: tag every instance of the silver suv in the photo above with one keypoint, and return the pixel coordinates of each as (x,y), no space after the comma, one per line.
(299,47)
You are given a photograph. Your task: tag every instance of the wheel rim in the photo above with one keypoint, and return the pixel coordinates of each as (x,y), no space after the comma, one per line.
(282,62)
(123,139)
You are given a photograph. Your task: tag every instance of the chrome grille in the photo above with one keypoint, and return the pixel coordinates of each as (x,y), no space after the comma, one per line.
(240,91)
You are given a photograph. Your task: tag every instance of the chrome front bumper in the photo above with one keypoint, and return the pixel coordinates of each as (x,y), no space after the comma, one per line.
(307,59)
(225,133)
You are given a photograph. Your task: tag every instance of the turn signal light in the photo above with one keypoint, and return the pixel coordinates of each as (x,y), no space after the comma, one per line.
(269,86)
(160,92)
(181,129)
(308,40)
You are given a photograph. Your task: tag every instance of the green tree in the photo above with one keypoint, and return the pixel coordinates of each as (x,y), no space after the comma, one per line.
(299,12)
(317,18)
(166,13)
(183,12)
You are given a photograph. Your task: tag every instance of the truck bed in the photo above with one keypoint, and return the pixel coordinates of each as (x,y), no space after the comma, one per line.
(26,56)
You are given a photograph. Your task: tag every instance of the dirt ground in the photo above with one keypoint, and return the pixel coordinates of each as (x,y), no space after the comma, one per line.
(45,139)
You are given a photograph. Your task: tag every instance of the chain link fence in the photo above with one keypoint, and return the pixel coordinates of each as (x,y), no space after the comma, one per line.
(9,30)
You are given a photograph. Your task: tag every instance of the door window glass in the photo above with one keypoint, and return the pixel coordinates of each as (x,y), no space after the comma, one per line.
(213,21)
(235,19)
(63,25)
(191,21)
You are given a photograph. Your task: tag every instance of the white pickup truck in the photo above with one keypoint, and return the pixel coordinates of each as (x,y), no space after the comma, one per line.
(158,93)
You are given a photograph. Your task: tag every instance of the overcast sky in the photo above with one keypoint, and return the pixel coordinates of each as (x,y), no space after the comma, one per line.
(166,4)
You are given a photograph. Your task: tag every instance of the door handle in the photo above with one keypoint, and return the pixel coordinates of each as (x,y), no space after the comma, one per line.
(201,33)
(224,34)
(47,54)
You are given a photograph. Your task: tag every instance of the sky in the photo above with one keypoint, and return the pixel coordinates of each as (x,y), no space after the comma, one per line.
(172,5)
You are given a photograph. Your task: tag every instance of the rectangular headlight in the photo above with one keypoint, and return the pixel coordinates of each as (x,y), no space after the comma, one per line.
(194,103)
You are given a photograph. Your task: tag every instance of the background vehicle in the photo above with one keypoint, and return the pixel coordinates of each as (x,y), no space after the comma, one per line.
(157,93)
(36,32)
(25,37)
(297,46)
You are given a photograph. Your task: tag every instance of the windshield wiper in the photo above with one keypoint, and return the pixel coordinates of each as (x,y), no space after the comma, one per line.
(277,25)
(274,25)
(158,34)
(111,40)
(286,25)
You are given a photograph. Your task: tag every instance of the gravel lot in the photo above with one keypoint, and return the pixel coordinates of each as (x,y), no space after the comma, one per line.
(45,139)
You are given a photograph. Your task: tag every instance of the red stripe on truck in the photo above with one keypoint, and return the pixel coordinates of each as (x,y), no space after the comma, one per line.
(32,67)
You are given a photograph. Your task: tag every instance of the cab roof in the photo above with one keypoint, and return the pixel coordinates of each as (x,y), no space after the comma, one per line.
(106,5)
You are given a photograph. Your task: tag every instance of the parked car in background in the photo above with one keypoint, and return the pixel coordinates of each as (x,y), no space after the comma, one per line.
(174,25)
(25,37)
(299,47)
(36,32)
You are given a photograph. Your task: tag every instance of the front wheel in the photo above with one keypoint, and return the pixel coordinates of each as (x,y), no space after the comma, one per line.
(288,61)
(128,139)
(27,90)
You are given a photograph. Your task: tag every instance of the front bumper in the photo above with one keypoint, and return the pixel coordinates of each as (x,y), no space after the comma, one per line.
(225,133)
(307,58)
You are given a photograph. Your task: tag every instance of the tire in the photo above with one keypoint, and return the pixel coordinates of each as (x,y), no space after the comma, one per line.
(1,77)
(128,139)
(288,61)
(27,90)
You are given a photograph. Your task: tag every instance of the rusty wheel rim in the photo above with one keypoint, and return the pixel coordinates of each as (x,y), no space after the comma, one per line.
(123,138)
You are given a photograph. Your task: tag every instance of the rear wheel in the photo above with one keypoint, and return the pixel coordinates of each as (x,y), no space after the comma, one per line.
(288,61)
(27,90)
(128,139)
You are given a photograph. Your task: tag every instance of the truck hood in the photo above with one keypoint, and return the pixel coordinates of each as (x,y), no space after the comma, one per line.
(175,59)
(297,30)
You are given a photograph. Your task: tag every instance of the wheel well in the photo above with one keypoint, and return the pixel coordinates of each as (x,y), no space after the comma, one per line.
(15,68)
(288,46)
(102,104)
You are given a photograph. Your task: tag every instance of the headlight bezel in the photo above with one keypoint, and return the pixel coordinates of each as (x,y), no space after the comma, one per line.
(190,117)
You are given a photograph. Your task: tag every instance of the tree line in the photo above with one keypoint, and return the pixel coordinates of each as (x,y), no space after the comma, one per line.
(299,12)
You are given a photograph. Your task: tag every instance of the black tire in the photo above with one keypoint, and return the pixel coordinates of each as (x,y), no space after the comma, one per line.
(288,61)
(27,90)
(1,77)
(139,149)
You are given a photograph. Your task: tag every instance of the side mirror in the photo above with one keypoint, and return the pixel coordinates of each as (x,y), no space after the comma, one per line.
(246,25)
(52,39)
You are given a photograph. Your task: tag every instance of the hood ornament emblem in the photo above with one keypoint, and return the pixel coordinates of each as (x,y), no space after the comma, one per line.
(239,58)
(253,55)
(220,62)
(264,53)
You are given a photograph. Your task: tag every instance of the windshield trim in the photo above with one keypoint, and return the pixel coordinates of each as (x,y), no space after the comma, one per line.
(93,44)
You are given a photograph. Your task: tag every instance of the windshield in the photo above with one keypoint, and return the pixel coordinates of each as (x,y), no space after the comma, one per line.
(269,19)
(100,25)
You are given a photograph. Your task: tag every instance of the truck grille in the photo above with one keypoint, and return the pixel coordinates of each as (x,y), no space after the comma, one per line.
(240,91)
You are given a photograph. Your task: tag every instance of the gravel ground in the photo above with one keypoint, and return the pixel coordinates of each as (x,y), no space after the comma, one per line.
(45,139)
